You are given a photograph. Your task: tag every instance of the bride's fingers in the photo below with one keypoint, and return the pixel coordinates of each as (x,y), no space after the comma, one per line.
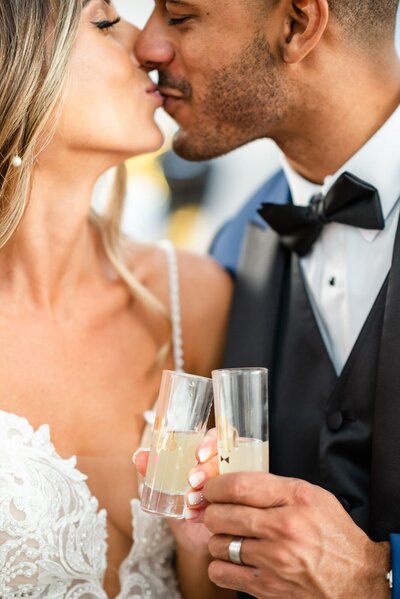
(193,516)
(195,500)
(202,473)
(208,447)
(140,459)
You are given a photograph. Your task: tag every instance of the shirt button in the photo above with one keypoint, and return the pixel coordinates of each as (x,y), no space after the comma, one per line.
(335,421)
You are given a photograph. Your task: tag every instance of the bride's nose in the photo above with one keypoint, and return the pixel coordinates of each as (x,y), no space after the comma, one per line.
(128,34)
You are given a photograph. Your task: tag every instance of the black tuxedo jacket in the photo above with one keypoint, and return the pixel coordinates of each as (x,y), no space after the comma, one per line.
(254,256)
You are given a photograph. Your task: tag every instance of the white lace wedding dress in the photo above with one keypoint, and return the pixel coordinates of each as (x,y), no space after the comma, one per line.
(52,534)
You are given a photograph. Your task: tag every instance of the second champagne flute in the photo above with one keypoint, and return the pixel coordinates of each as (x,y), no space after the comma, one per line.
(241,411)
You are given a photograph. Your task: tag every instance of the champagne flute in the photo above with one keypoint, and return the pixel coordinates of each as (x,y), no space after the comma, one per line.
(182,412)
(241,410)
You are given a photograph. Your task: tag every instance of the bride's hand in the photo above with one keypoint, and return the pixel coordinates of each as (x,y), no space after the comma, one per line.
(207,457)
(190,533)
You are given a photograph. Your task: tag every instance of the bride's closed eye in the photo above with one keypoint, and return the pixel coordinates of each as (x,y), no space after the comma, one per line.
(106,25)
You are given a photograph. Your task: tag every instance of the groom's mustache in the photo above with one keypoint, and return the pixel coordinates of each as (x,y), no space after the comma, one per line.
(169,86)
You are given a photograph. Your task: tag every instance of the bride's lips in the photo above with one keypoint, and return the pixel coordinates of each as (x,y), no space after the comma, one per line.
(153,91)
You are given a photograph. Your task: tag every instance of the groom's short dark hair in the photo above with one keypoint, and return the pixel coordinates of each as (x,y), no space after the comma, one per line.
(365,15)
(363,19)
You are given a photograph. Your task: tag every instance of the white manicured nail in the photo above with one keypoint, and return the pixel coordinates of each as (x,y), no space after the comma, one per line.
(139,450)
(195,498)
(196,479)
(190,514)
(204,454)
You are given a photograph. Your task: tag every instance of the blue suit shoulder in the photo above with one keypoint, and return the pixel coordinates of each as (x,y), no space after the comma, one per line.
(227,244)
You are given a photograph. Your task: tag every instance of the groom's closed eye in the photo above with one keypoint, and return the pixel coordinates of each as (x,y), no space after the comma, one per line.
(178,2)
(178,10)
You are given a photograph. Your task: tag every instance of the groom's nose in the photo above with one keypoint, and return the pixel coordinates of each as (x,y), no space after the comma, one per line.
(154,46)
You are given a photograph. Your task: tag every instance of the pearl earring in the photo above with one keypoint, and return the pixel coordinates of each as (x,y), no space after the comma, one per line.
(16,161)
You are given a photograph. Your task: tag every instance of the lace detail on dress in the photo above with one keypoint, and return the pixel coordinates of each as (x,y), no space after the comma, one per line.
(52,537)
(147,572)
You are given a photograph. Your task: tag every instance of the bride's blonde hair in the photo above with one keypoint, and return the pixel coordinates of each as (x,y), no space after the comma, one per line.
(36,39)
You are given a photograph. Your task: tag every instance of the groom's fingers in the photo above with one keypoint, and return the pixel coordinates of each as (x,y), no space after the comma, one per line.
(140,459)
(230,576)
(257,489)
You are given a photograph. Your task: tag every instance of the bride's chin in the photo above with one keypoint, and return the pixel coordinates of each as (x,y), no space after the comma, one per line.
(157,140)
(102,158)
(146,145)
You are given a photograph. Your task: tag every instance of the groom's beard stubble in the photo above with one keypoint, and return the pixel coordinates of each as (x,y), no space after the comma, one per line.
(238,103)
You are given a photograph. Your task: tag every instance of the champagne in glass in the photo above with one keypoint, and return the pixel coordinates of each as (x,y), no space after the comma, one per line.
(182,413)
(241,408)
(172,455)
(247,455)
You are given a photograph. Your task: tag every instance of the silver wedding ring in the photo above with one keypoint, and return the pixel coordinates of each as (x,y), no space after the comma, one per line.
(234,549)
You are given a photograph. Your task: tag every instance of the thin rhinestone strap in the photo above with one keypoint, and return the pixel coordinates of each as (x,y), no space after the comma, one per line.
(173,275)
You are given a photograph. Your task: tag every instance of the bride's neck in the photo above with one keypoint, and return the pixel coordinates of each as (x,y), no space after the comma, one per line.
(53,250)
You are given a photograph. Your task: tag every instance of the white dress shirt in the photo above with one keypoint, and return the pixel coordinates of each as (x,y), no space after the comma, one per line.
(347,266)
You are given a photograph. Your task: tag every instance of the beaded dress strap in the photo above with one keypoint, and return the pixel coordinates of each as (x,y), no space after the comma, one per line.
(173,276)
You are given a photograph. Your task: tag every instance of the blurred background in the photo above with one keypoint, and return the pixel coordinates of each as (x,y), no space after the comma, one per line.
(185,201)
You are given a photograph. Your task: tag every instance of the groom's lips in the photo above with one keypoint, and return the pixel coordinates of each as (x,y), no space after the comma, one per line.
(171,96)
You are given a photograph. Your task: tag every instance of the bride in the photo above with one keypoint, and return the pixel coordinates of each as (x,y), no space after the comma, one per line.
(85,326)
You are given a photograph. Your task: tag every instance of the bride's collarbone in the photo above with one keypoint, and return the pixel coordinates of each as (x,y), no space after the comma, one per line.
(93,399)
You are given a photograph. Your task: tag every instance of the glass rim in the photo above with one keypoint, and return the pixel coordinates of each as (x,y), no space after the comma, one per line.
(244,370)
(187,375)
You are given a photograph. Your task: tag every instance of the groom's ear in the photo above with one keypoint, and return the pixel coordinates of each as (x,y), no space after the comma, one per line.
(304,24)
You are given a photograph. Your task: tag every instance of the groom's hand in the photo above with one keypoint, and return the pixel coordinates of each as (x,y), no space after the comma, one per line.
(298,541)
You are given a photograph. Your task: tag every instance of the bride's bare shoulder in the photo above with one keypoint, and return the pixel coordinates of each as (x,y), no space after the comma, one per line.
(205,297)
(206,292)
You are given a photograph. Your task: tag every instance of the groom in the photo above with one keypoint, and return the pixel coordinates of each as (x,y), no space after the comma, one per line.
(316,257)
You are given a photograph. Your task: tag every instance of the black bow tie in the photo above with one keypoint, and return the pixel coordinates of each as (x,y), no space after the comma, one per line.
(350,201)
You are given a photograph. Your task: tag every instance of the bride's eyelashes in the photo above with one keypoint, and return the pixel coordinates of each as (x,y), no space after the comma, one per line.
(106,25)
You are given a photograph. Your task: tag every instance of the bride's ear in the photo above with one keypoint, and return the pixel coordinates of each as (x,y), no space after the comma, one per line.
(305,24)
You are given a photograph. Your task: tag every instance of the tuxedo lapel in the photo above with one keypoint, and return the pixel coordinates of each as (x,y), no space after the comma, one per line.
(258,292)
(385,475)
